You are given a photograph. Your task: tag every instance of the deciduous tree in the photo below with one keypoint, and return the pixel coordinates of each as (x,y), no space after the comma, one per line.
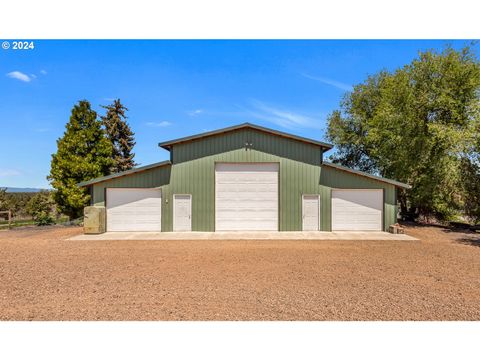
(413,124)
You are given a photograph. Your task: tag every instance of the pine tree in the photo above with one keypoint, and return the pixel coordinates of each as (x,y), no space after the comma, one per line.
(83,153)
(120,136)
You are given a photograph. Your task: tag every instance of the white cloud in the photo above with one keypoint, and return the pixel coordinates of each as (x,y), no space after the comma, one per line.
(43,72)
(33,76)
(19,76)
(159,124)
(195,112)
(334,83)
(9,172)
(282,117)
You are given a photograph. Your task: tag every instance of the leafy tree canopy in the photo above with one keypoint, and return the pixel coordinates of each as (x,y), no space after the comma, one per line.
(415,124)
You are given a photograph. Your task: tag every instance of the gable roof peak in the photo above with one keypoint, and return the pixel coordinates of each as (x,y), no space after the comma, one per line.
(167,144)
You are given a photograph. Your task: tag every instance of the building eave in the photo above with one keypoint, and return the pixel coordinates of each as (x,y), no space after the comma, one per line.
(364,174)
(123,173)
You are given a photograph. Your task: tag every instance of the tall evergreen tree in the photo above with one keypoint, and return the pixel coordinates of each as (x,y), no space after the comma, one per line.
(120,136)
(83,153)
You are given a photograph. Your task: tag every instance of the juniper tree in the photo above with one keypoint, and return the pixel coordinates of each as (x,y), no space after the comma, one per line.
(83,152)
(120,135)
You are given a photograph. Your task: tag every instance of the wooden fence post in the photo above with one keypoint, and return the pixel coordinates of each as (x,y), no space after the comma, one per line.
(9,213)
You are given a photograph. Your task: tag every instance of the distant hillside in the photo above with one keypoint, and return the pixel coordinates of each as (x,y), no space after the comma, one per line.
(17,190)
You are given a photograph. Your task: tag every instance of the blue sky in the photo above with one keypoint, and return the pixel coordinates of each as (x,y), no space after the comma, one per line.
(178,88)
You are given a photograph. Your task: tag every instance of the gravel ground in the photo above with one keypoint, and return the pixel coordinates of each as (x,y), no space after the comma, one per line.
(44,277)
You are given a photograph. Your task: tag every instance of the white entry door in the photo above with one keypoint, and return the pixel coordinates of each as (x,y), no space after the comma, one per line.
(182,212)
(246,196)
(134,209)
(310,213)
(357,209)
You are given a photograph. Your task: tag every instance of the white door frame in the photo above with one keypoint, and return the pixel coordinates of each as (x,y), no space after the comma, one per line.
(190,196)
(303,209)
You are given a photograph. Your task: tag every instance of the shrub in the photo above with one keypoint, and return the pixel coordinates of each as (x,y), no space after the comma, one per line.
(42,208)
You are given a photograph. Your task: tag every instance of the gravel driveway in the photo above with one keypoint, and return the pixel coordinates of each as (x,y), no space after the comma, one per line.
(44,277)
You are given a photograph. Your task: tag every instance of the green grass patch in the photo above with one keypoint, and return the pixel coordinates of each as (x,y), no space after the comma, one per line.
(16,223)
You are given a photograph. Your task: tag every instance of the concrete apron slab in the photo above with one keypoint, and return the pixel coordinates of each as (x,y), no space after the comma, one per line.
(250,235)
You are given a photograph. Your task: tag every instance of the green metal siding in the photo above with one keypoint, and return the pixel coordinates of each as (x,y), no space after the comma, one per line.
(332,178)
(157,177)
(266,143)
(193,173)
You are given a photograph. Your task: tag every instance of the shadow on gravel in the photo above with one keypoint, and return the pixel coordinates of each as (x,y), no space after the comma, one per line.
(466,235)
(458,230)
(469,241)
(466,229)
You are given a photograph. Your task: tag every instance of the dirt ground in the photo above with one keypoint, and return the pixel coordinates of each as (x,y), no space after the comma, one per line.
(45,277)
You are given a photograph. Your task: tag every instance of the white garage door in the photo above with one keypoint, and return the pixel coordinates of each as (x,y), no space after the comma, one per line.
(357,210)
(246,196)
(134,209)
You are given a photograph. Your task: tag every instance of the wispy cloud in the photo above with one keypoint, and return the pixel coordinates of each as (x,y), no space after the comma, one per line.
(159,124)
(43,72)
(331,82)
(9,172)
(19,76)
(195,112)
(282,117)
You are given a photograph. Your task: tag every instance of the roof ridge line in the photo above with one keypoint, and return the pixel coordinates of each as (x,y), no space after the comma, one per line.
(167,144)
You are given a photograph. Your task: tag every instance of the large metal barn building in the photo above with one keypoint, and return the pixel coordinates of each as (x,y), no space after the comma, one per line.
(245,178)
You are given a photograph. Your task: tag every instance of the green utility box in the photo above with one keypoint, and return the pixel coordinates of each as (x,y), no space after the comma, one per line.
(94,220)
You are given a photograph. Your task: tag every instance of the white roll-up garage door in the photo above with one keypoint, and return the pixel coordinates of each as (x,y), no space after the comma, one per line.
(357,209)
(246,196)
(134,209)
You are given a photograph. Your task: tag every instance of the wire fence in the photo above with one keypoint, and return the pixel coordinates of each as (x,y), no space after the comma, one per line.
(10,222)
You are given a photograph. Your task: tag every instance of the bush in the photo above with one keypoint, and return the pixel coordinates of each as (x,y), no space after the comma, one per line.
(43,218)
(42,208)
(16,202)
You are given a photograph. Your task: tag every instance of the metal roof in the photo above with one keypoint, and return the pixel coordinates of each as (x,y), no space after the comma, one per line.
(123,173)
(167,144)
(361,173)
